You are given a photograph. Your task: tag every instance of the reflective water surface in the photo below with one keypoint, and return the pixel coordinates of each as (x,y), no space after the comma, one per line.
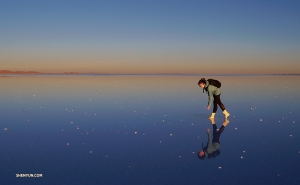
(147,130)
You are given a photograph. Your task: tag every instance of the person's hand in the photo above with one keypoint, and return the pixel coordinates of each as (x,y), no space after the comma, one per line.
(208,107)
(208,130)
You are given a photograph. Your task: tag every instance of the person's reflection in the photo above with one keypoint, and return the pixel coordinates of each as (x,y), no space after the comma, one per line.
(213,145)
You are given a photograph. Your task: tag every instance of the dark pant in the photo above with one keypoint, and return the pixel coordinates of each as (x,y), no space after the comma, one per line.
(217,101)
(217,134)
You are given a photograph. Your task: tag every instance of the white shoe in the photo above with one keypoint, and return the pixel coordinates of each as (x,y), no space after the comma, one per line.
(226,114)
(212,116)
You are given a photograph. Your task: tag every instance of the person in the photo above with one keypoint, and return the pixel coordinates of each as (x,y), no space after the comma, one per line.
(215,92)
(213,145)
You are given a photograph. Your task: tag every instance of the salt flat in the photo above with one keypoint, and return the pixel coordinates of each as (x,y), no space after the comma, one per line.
(147,130)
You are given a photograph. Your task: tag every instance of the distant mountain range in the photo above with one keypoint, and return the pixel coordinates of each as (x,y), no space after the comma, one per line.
(35,72)
(8,72)
(18,72)
(3,72)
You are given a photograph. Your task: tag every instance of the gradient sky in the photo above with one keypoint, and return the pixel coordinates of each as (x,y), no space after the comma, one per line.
(151,36)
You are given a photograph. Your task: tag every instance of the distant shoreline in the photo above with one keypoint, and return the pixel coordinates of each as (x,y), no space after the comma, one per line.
(26,73)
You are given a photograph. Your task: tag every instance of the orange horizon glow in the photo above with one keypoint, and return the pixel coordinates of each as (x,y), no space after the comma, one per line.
(182,62)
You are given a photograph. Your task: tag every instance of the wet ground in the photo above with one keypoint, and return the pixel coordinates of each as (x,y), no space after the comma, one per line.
(147,130)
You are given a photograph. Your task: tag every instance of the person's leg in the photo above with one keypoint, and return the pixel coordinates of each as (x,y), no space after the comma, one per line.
(218,134)
(215,132)
(214,109)
(215,129)
(215,104)
(218,101)
(221,130)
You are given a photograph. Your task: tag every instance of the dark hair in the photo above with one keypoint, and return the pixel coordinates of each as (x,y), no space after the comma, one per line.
(202,80)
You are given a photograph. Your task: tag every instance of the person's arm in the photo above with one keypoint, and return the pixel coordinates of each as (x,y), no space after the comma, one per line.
(209,143)
(210,96)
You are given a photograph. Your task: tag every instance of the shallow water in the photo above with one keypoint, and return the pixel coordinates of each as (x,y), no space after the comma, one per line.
(147,130)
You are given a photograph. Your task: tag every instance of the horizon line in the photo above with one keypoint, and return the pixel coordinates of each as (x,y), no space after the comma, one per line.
(8,72)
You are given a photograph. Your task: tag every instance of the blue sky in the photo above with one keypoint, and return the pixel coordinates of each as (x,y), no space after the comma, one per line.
(151,36)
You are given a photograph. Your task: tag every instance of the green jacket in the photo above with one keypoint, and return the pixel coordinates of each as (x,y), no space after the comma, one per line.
(211,90)
(211,146)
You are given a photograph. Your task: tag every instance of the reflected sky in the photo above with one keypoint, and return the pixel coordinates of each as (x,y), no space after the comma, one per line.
(147,129)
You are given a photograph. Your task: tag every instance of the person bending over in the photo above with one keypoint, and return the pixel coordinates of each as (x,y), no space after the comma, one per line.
(213,92)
